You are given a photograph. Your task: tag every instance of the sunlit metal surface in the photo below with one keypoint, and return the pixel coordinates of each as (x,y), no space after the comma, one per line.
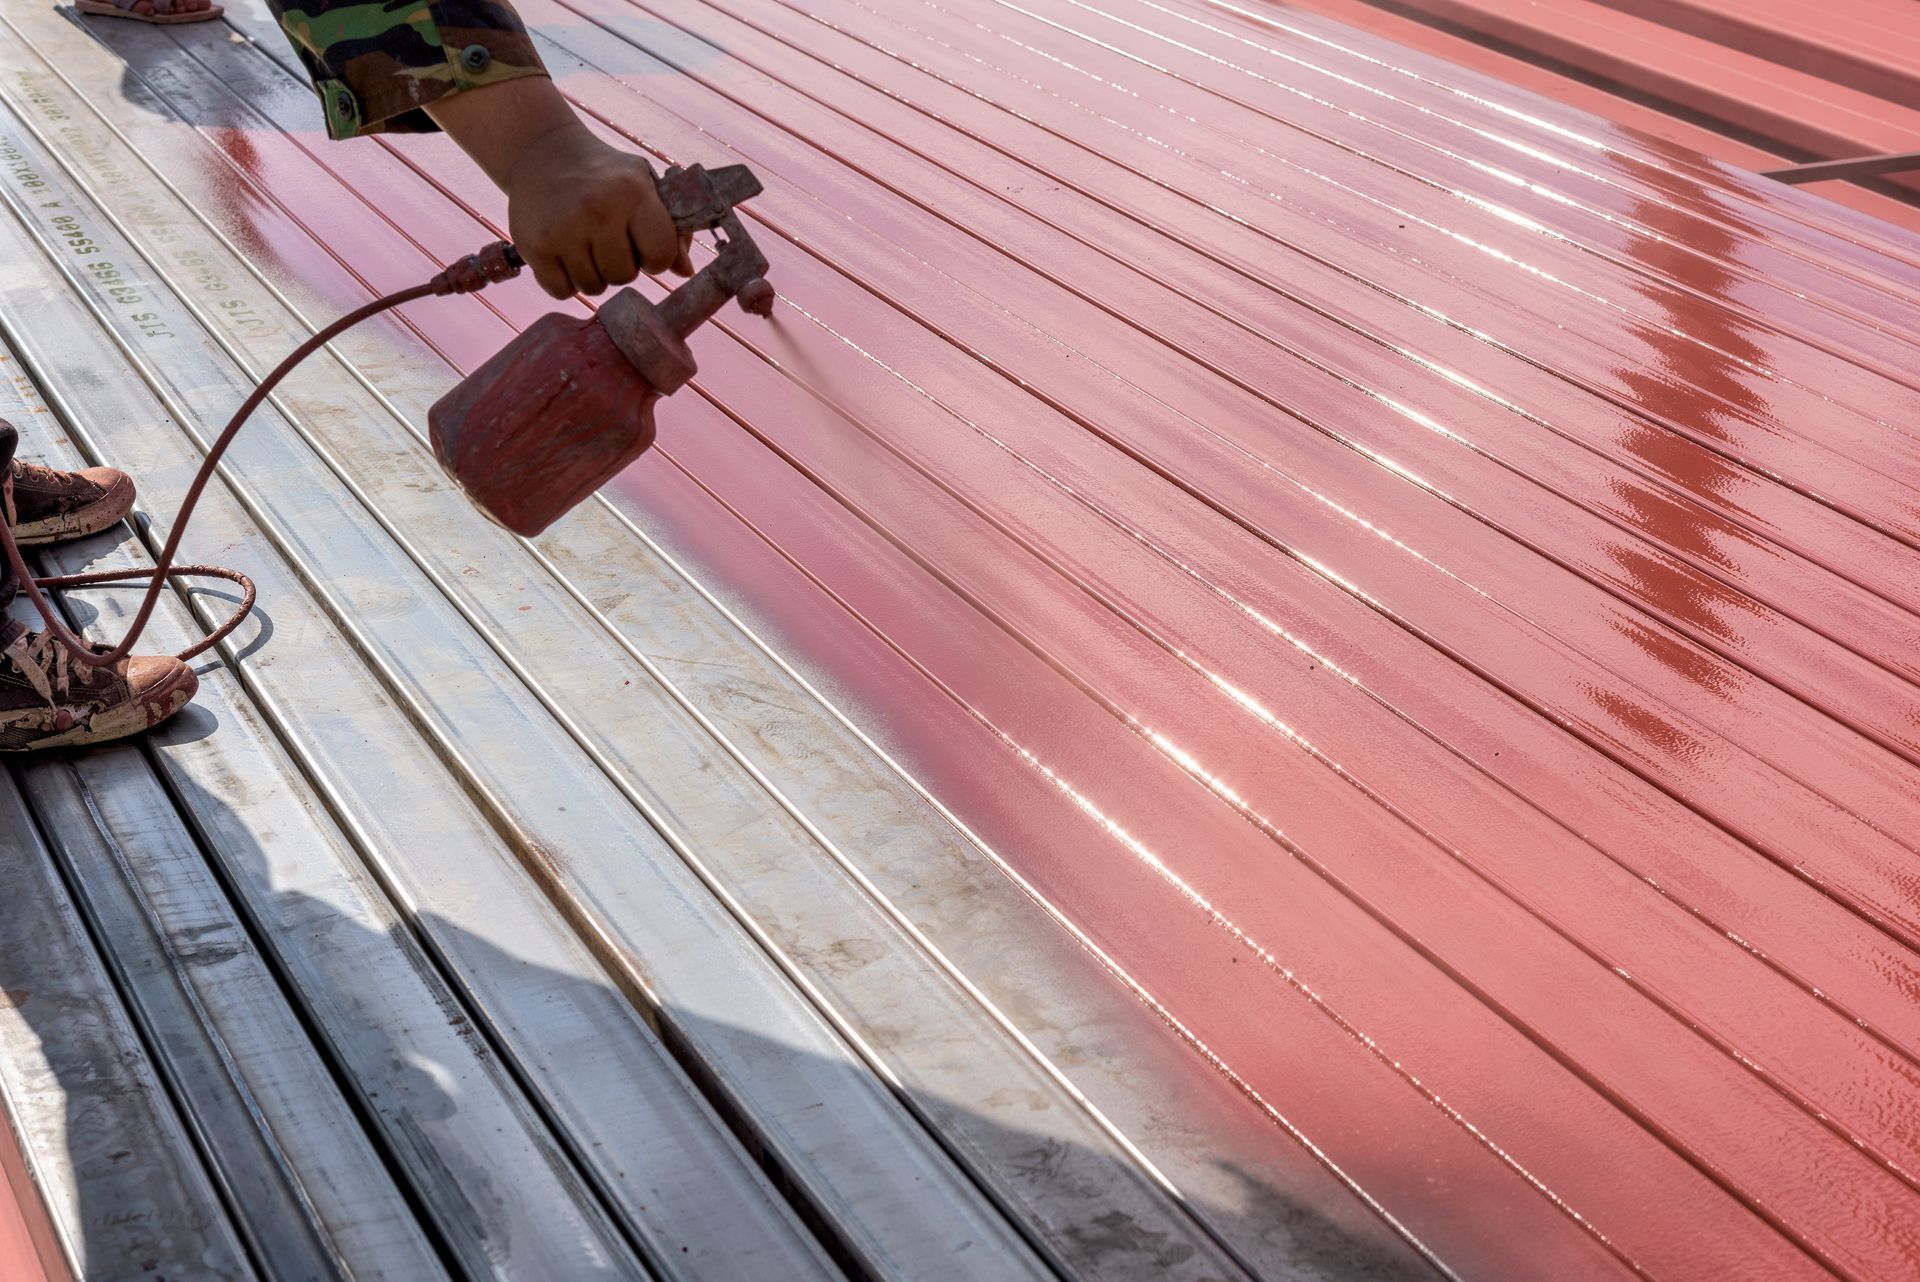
(1824,81)
(1395,601)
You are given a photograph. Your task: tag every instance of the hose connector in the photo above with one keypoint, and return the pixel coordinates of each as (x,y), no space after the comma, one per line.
(497,262)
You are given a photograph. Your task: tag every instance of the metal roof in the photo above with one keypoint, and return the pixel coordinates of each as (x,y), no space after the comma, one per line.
(1286,661)
(1659,97)
(1822,81)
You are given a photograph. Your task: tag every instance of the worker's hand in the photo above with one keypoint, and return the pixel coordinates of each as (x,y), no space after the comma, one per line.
(586,215)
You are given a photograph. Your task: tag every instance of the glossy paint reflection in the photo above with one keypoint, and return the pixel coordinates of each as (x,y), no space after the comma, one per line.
(1132,822)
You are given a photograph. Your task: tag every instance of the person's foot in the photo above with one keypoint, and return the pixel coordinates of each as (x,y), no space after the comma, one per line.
(48,700)
(45,506)
(161,11)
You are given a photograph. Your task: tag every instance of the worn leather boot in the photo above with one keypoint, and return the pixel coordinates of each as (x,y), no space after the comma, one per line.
(47,698)
(49,701)
(45,506)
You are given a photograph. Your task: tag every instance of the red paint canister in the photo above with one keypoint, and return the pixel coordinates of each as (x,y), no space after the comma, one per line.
(545,423)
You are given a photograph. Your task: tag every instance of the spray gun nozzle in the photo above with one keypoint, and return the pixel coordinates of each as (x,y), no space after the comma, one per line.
(756,296)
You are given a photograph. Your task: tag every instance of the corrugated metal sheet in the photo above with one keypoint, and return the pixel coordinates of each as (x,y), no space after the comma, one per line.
(1375,560)
(1818,81)
(1416,583)
(590,908)
(1647,117)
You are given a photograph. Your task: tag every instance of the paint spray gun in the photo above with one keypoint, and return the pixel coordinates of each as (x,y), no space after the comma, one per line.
(564,407)
(552,417)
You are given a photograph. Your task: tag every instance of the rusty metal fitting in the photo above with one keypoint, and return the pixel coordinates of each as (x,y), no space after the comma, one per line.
(699,199)
(648,341)
(497,262)
(756,297)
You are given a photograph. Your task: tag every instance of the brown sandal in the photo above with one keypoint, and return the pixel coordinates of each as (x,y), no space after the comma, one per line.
(107,9)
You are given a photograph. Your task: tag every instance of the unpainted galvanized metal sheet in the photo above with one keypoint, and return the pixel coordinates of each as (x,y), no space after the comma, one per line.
(124,1187)
(313,1197)
(664,1159)
(495,1183)
(648,1136)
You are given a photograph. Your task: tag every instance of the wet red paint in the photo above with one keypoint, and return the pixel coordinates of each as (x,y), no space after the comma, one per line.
(1641,126)
(1424,580)
(1771,70)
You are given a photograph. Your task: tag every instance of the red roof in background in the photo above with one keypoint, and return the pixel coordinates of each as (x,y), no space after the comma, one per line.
(1761,85)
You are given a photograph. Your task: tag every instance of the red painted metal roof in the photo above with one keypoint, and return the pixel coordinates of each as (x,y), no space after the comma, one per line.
(1420,578)
(1424,583)
(1648,112)
(1810,81)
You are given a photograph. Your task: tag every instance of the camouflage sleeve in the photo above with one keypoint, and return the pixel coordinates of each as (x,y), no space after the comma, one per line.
(376,63)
